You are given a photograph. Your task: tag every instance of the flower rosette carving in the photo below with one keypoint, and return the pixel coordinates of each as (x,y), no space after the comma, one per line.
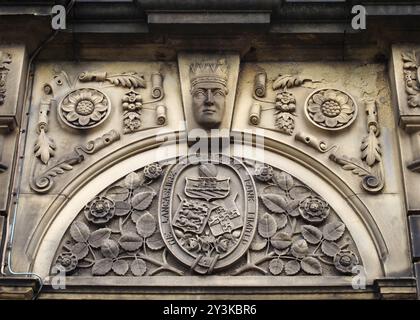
(132,106)
(68,261)
(331,109)
(314,209)
(298,232)
(345,261)
(100,210)
(84,108)
(153,171)
(116,233)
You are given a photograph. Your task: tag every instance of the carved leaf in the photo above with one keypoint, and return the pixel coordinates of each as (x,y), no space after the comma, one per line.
(130,241)
(138,267)
(155,242)
(299,192)
(258,243)
(120,267)
(267,226)
(59,169)
(118,193)
(334,230)
(136,215)
(299,248)
(122,208)
(311,265)
(288,81)
(281,220)
(311,234)
(79,231)
(284,180)
(44,147)
(351,164)
(371,149)
(102,267)
(292,267)
(281,240)
(142,200)
(409,57)
(99,236)
(275,266)
(330,248)
(274,202)
(80,249)
(146,225)
(110,249)
(127,80)
(133,180)
(281,252)
(292,206)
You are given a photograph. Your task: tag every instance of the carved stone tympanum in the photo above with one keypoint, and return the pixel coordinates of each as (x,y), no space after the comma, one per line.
(214,215)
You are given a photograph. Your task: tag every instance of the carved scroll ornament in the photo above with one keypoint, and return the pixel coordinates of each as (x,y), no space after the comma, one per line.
(284,103)
(42,182)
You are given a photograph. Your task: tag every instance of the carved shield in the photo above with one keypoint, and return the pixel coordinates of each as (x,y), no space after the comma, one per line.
(208,222)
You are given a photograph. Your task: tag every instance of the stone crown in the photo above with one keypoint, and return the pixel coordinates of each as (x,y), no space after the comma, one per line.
(209,74)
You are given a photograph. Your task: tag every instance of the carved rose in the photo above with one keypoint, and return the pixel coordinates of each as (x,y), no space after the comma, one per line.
(68,261)
(345,260)
(314,209)
(331,108)
(84,108)
(263,172)
(285,101)
(153,171)
(100,210)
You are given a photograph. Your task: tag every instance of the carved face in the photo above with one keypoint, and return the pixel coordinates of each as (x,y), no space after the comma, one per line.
(208,106)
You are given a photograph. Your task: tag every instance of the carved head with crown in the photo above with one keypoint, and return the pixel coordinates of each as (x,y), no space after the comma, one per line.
(209,90)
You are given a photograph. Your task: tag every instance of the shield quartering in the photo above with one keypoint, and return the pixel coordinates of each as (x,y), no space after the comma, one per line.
(223,220)
(192,216)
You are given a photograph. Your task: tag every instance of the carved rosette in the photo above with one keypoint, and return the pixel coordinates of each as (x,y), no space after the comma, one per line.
(330,109)
(84,108)
(213,215)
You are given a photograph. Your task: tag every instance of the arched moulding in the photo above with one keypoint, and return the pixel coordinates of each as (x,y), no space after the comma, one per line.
(48,239)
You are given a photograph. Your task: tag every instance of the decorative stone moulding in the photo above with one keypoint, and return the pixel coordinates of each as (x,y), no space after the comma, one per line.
(283,104)
(330,109)
(5,60)
(84,108)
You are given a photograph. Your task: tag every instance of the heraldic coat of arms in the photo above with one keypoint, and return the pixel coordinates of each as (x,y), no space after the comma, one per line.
(207,215)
